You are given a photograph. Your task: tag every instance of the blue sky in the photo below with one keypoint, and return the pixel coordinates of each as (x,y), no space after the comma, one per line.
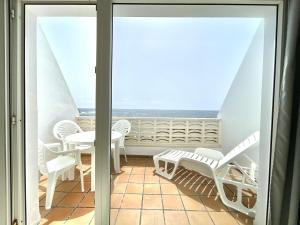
(158,63)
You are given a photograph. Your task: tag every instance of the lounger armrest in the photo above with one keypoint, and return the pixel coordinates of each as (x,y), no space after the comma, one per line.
(209,153)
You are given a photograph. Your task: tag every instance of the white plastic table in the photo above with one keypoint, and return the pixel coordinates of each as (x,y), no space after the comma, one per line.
(88,138)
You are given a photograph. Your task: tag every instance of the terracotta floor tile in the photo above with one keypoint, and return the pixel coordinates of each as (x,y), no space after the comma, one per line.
(44,221)
(43,211)
(87,177)
(151,179)
(176,218)
(59,214)
(128,217)
(66,186)
(88,201)
(113,216)
(172,202)
(249,202)
(136,179)
(152,217)
(131,201)
(126,169)
(81,216)
(43,185)
(87,187)
(58,196)
(242,219)
(92,221)
(199,218)
(145,190)
(151,188)
(184,177)
(115,200)
(71,200)
(206,190)
(223,218)
(51,222)
(122,178)
(192,202)
(169,189)
(138,170)
(42,195)
(118,188)
(150,171)
(152,202)
(133,188)
(187,191)
(213,204)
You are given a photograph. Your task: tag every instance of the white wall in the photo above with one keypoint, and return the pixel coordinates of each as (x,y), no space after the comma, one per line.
(54,100)
(240,112)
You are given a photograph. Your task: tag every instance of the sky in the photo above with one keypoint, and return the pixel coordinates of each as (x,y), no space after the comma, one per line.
(158,63)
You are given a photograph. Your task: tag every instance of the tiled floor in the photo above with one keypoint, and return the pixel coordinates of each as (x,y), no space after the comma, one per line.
(139,197)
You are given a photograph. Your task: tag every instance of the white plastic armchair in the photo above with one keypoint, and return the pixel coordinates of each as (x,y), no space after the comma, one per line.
(64,128)
(124,127)
(61,130)
(53,163)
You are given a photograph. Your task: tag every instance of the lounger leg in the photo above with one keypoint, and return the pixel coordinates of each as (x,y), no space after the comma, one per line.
(238,204)
(165,172)
(50,189)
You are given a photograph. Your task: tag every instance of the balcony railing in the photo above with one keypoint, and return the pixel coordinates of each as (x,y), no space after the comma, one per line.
(161,131)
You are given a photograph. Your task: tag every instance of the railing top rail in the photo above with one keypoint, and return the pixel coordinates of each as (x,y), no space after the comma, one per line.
(157,118)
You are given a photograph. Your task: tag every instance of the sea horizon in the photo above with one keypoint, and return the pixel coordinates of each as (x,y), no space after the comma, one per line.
(154,113)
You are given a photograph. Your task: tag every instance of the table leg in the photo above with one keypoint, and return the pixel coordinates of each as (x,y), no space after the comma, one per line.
(117,157)
(93,170)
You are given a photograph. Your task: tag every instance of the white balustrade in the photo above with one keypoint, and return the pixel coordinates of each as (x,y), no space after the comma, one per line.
(162,131)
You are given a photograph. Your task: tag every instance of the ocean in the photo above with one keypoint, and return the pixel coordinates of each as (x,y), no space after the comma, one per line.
(155,113)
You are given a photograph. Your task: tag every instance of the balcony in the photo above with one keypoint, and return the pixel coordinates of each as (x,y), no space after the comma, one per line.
(138,195)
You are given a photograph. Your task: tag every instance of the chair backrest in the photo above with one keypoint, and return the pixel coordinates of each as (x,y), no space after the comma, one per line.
(64,128)
(240,149)
(124,127)
(42,157)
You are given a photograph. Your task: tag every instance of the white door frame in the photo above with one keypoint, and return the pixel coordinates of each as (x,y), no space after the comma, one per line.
(5,194)
(103,95)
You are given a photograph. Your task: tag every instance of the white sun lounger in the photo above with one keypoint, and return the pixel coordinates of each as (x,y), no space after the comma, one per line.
(215,165)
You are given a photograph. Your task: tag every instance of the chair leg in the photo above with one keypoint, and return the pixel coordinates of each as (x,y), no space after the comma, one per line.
(50,189)
(79,163)
(125,155)
(71,173)
(63,177)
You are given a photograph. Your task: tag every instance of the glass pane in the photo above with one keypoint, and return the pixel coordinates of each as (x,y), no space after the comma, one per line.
(187,88)
(60,56)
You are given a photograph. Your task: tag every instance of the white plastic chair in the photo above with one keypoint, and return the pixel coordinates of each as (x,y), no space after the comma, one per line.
(64,128)
(124,127)
(214,164)
(53,163)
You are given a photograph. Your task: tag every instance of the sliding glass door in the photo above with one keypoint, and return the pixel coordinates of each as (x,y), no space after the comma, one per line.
(98,91)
